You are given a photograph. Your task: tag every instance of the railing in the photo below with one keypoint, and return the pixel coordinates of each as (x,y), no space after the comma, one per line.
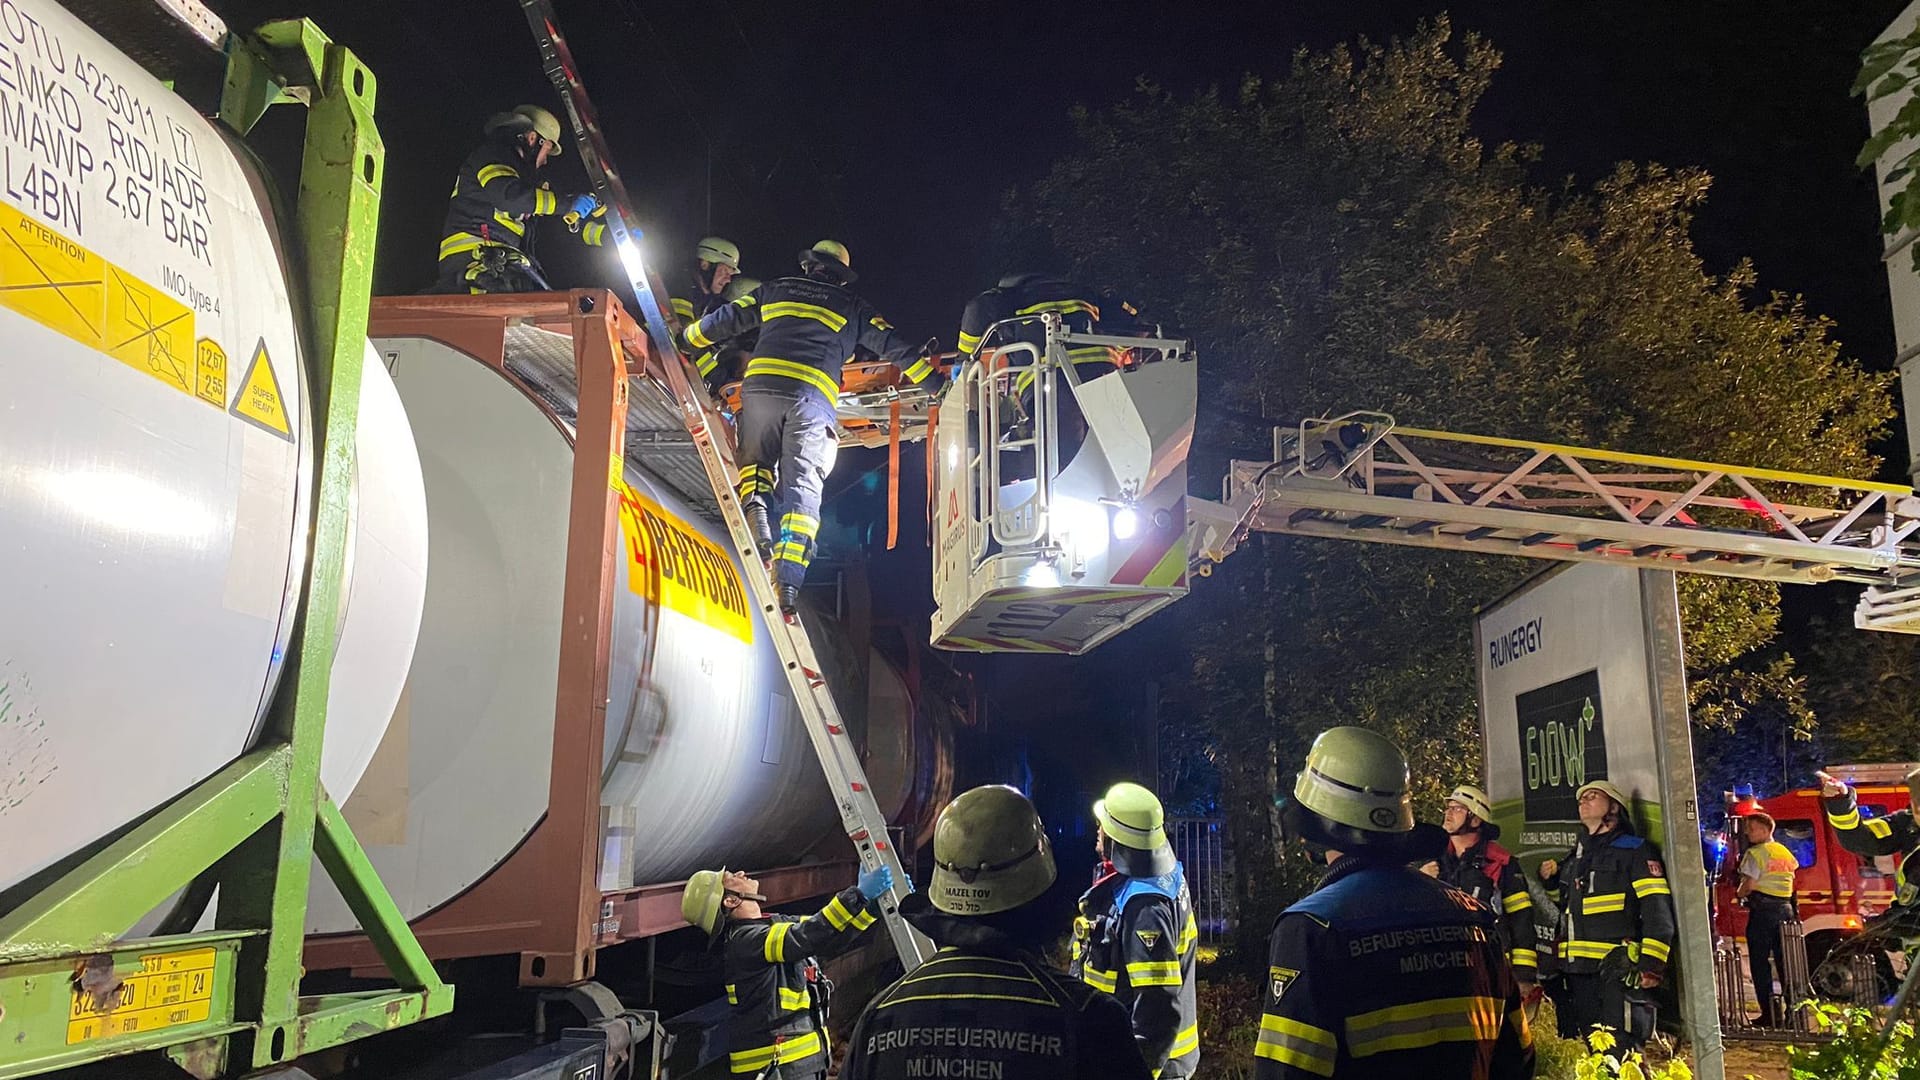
(1200,844)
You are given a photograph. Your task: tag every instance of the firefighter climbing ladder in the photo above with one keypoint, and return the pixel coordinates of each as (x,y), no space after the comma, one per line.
(859,814)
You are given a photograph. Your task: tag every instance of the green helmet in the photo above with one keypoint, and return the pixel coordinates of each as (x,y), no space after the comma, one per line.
(1132,818)
(717,250)
(701,900)
(1358,779)
(1474,800)
(990,853)
(739,287)
(528,118)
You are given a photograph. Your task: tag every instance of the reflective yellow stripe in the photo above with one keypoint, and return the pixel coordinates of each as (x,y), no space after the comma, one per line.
(593,234)
(746,301)
(731,999)
(1646,887)
(1655,948)
(1189,935)
(706,362)
(1517,1020)
(1100,980)
(1516,902)
(1426,1023)
(800,525)
(507,222)
(968,342)
(793,309)
(1587,950)
(459,242)
(1154,973)
(862,920)
(545,202)
(790,551)
(792,1000)
(1602,904)
(1064,307)
(919,370)
(837,914)
(1843,822)
(1524,958)
(1089,353)
(1186,1042)
(489,173)
(879,323)
(1303,1046)
(775,949)
(695,338)
(1880,827)
(682,308)
(812,376)
(752,1061)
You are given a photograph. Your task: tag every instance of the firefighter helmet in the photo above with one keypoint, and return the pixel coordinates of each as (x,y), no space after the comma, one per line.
(739,287)
(1133,819)
(990,853)
(528,118)
(1358,779)
(702,899)
(718,251)
(1474,800)
(1605,787)
(1913,788)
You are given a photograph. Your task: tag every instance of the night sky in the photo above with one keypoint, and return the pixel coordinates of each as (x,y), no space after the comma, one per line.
(899,127)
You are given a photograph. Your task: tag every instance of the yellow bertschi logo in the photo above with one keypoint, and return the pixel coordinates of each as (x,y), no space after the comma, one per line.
(671,564)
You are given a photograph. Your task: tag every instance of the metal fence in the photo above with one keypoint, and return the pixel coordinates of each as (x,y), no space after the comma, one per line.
(1200,844)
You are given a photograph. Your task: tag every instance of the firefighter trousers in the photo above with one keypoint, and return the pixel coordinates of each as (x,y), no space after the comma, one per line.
(1603,998)
(490,268)
(1766,956)
(787,446)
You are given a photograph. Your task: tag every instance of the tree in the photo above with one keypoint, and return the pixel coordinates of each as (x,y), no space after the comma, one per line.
(1338,239)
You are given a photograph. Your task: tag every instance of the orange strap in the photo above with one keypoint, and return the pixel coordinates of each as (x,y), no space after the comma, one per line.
(933,428)
(893,474)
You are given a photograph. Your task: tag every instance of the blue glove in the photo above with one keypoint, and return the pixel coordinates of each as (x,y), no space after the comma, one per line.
(583,205)
(876,882)
(906,884)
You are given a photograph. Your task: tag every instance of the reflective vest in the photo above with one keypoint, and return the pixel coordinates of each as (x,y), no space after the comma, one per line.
(1895,834)
(775,986)
(1772,867)
(1136,938)
(1385,972)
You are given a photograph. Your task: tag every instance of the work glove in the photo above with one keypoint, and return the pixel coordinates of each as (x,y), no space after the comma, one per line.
(876,882)
(583,205)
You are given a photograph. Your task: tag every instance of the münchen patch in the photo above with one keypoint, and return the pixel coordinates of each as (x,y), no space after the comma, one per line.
(1278,979)
(1149,938)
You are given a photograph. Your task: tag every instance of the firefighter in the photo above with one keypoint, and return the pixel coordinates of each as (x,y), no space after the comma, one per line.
(1382,971)
(1136,937)
(716,260)
(723,363)
(778,1026)
(1476,864)
(1895,834)
(1766,887)
(809,326)
(987,1005)
(487,243)
(1616,921)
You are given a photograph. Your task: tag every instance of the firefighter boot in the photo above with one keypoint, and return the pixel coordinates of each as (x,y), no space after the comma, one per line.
(789,599)
(761,528)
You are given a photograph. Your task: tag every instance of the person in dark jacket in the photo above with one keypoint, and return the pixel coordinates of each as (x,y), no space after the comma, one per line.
(716,260)
(1136,937)
(1475,863)
(1382,971)
(777,1029)
(1895,834)
(987,1005)
(1616,923)
(787,435)
(486,245)
(725,362)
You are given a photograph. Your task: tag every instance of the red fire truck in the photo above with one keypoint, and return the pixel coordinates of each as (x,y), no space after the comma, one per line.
(1838,890)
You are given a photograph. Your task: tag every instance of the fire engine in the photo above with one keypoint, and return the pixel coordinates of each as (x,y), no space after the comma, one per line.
(1837,891)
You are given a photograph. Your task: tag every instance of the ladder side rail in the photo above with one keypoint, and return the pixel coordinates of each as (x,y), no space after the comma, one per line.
(860,814)
(1002,385)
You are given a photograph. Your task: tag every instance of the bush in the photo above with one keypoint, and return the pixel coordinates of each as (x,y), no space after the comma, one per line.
(1856,1042)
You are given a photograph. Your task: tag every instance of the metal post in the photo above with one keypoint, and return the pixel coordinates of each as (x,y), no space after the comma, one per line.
(1692,959)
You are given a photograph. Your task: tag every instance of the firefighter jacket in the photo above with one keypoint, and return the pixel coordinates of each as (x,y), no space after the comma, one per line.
(1384,972)
(1488,873)
(775,987)
(808,328)
(1895,834)
(1136,939)
(495,199)
(1613,895)
(986,1007)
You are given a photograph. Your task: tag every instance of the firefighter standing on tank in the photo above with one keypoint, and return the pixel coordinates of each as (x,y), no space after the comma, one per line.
(777,1029)
(1382,971)
(1475,863)
(1616,922)
(1766,887)
(987,1005)
(809,327)
(716,260)
(486,245)
(1136,937)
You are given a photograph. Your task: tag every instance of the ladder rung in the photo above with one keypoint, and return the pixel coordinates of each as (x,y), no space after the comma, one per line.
(1702,556)
(1480,533)
(1420,527)
(1368,521)
(1590,545)
(1536,539)
(1649,549)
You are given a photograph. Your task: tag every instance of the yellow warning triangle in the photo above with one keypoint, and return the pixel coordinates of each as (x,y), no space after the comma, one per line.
(260,402)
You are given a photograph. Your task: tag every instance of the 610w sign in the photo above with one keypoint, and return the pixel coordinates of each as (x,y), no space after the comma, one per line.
(1563,743)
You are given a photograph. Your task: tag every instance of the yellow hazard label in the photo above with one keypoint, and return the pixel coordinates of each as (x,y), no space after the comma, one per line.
(148,330)
(50,279)
(210,372)
(260,402)
(672,565)
(169,990)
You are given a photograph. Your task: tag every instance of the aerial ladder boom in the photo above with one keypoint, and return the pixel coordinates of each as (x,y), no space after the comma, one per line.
(860,814)
(1358,476)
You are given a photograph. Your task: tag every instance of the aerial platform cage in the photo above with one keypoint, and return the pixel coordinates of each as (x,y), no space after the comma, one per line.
(1060,489)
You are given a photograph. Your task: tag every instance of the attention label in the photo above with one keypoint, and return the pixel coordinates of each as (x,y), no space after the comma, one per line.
(169,990)
(260,402)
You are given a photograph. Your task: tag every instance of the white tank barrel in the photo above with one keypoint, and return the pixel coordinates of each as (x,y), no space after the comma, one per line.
(156,458)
